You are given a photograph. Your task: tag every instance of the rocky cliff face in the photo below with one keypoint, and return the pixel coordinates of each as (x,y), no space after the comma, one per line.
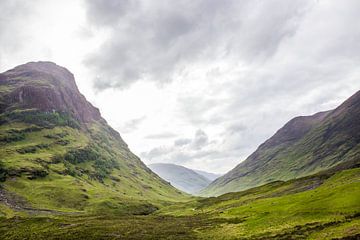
(47,87)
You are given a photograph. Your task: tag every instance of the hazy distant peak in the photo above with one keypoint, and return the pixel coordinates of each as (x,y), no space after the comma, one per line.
(181,177)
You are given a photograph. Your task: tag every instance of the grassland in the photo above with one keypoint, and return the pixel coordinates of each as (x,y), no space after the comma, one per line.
(321,206)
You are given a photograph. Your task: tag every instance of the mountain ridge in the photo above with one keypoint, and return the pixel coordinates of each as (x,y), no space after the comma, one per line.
(303,146)
(208,175)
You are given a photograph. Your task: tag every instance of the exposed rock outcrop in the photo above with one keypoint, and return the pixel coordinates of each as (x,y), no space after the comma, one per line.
(45,86)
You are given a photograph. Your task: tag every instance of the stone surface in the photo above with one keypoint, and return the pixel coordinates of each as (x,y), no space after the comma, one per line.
(45,86)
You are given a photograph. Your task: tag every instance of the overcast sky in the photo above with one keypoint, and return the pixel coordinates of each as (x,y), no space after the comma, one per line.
(200,83)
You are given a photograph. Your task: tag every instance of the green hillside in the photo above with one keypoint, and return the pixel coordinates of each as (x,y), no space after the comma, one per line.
(58,155)
(321,206)
(304,146)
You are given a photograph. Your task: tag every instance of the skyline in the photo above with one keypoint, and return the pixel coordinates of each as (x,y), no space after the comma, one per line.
(198,84)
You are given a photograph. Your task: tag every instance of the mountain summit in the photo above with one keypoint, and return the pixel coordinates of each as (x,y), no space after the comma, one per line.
(47,87)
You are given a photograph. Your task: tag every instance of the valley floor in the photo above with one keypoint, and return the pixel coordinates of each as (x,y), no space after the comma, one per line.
(322,206)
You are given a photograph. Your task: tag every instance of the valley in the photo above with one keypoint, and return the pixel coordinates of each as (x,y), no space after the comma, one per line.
(66,174)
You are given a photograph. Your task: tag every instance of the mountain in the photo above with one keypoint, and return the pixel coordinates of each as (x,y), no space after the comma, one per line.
(304,146)
(66,174)
(180,177)
(210,176)
(58,154)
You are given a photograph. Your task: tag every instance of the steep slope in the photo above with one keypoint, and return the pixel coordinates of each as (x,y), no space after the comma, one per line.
(58,153)
(180,177)
(208,175)
(305,145)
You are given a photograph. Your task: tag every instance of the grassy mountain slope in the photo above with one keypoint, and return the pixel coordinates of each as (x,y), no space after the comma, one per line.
(320,206)
(59,155)
(180,177)
(304,146)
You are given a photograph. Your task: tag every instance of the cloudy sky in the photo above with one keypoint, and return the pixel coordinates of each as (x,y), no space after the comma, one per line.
(200,83)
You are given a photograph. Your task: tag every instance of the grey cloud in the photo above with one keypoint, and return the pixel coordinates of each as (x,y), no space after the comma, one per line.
(132,125)
(156,152)
(284,59)
(188,157)
(161,135)
(191,106)
(185,152)
(14,14)
(201,139)
(157,41)
(182,141)
(108,12)
(308,71)
(183,149)
(236,128)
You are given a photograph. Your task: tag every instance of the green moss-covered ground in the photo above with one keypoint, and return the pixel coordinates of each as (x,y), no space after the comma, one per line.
(322,206)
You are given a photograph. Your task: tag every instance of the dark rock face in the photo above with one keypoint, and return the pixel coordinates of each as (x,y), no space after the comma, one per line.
(45,86)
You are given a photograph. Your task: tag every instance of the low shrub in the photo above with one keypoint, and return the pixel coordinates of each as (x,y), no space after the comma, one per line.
(82,155)
(30,149)
(12,137)
(56,135)
(38,173)
(102,162)
(62,142)
(42,118)
(3,173)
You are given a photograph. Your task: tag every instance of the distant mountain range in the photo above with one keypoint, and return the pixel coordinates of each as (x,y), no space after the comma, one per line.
(185,179)
(304,146)
(210,176)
